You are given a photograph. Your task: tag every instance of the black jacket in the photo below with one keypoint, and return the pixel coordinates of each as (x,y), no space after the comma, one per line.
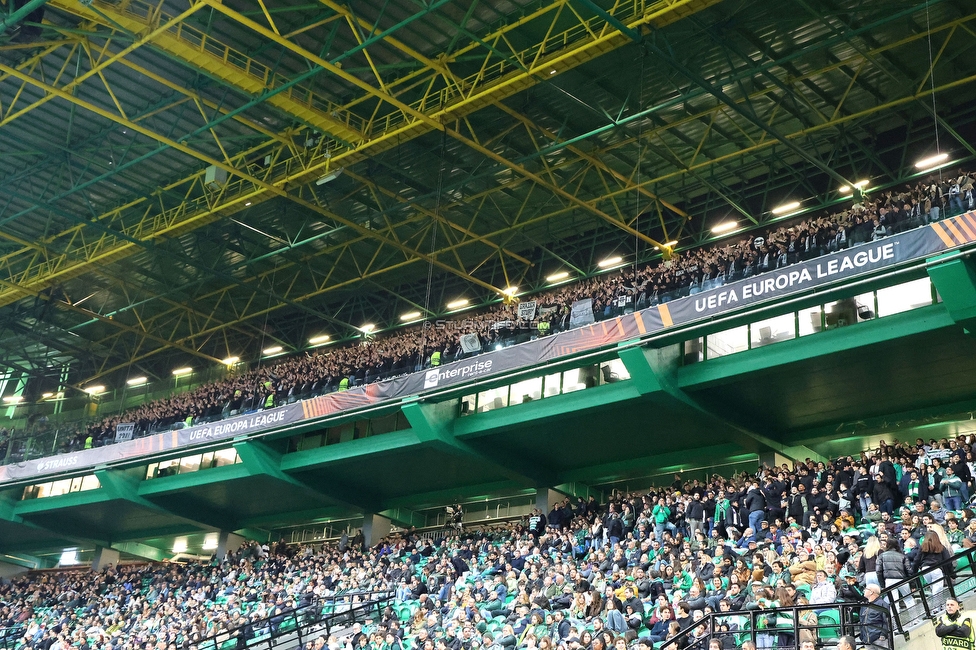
(893,565)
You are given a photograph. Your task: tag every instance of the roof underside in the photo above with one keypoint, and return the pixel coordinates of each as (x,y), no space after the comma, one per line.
(482,144)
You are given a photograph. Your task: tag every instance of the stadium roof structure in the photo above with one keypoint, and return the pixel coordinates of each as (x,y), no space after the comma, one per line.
(209,178)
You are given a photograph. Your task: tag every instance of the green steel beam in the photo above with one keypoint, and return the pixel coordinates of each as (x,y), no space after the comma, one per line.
(745,111)
(435,426)
(955,280)
(261,460)
(124,485)
(13,19)
(655,371)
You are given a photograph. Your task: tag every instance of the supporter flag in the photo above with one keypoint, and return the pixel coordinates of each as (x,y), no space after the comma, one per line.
(470,343)
(526,310)
(124,431)
(582,313)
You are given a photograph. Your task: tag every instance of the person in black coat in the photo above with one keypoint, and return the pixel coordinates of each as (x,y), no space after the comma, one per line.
(882,495)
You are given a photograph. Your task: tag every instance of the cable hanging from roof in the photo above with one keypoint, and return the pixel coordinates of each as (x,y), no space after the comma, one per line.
(433,242)
(935,112)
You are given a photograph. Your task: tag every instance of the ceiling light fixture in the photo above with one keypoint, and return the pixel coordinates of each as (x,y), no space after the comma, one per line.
(321,338)
(331,176)
(786,208)
(847,189)
(610,261)
(179,372)
(410,315)
(457,304)
(136,381)
(724,227)
(932,161)
(556,277)
(274,349)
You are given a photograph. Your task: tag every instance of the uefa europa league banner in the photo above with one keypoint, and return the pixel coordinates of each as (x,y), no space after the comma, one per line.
(914,244)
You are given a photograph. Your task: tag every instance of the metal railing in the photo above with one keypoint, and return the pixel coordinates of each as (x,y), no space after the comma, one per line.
(922,597)
(788,627)
(901,607)
(293,627)
(301,624)
(10,636)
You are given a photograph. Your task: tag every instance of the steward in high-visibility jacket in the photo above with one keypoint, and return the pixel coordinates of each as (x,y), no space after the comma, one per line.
(269,401)
(344,384)
(435,359)
(955,628)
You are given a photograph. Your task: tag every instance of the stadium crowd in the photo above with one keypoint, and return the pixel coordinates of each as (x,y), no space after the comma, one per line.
(411,349)
(628,574)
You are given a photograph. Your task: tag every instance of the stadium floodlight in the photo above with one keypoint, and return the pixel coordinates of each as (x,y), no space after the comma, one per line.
(13,399)
(847,189)
(95,390)
(137,381)
(610,261)
(724,227)
(47,395)
(410,315)
(229,361)
(211,541)
(321,338)
(510,291)
(179,545)
(331,176)
(179,372)
(786,208)
(932,161)
(556,277)
(457,304)
(367,328)
(274,349)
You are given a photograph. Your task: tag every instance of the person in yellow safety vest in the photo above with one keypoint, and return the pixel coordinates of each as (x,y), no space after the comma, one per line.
(435,359)
(89,441)
(189,421)
(954,628)
(344,384)
(269,401)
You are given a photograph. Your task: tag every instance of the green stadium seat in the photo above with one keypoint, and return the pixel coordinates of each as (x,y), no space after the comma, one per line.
(829,622)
